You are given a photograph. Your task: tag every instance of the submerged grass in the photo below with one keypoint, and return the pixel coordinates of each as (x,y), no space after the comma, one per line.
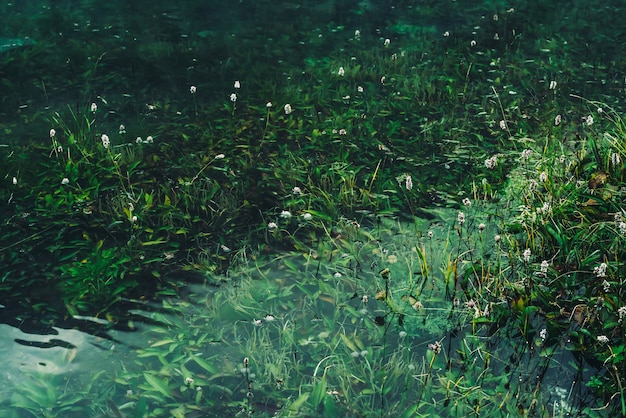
(278,182)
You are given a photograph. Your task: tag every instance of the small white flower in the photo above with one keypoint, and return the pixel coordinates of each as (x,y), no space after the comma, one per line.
(526,154)
(307,216)
(473,43)
(622,227)
(149,139)
(387,42)
(342,132)
(233,97)
(94,107)
(491,162)
(544,266)
(357,34)
(446,34)
(193,89)
(237,84)
(408,183)
(402,334)
(65,181)
(467,202)
(219,156)
(341,72)
(14,180)
(543,334)
(621,312)
(430,234)
(503,125)
(359,89)
(188,381)
(603,339)
(543,177)
(527,254)
(52,133)
(268,104)
(269,318)
(105,140)
(285,214)
(600,271)
(497,238)
(552,85)
(296,190)
(257,322)
(557,120)
(122,130)
(337,275)
(461,218)
(288,109)
(588,120)
(138,140)
(481,227)
(615,159)
(382,80)
(272,225)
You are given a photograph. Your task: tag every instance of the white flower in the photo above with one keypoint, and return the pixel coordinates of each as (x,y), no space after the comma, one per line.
(503,125)
(296,190)
(219,156)
(600,271)
(589,120)
(557,120)
(527,254)
(14,180)
(430,234)
(622,227)
(382,80)
(272,225)
(122,130)
(269,318)
(473,43)
(94,107)
(357,34)
(408,182)
(544,266)
(481,227)
(622,312)
(461,218)
(552,85)
(268,104)
(402,334)
(65,180)
(341,72)
(446,34)
(359,89)
(149,139)
(603,339)
(285,214)
(491,162)
(52,133)
(467,202)
(497,238)
(543,334)
(526,154)
(543,177)
(342,132)
(257,322)
(193,89)
(233,97)
(615,159)
(138,140)
(337,275)
(188,381)
(237,84)
(387,42)
(288,109)
(105,140)
(307,216)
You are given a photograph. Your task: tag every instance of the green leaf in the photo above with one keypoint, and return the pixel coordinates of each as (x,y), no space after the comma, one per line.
(160,385)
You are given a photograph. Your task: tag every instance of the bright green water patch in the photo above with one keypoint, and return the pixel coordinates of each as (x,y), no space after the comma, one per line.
(368,324)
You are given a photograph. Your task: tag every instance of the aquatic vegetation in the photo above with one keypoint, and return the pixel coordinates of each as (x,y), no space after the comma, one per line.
(393,212)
